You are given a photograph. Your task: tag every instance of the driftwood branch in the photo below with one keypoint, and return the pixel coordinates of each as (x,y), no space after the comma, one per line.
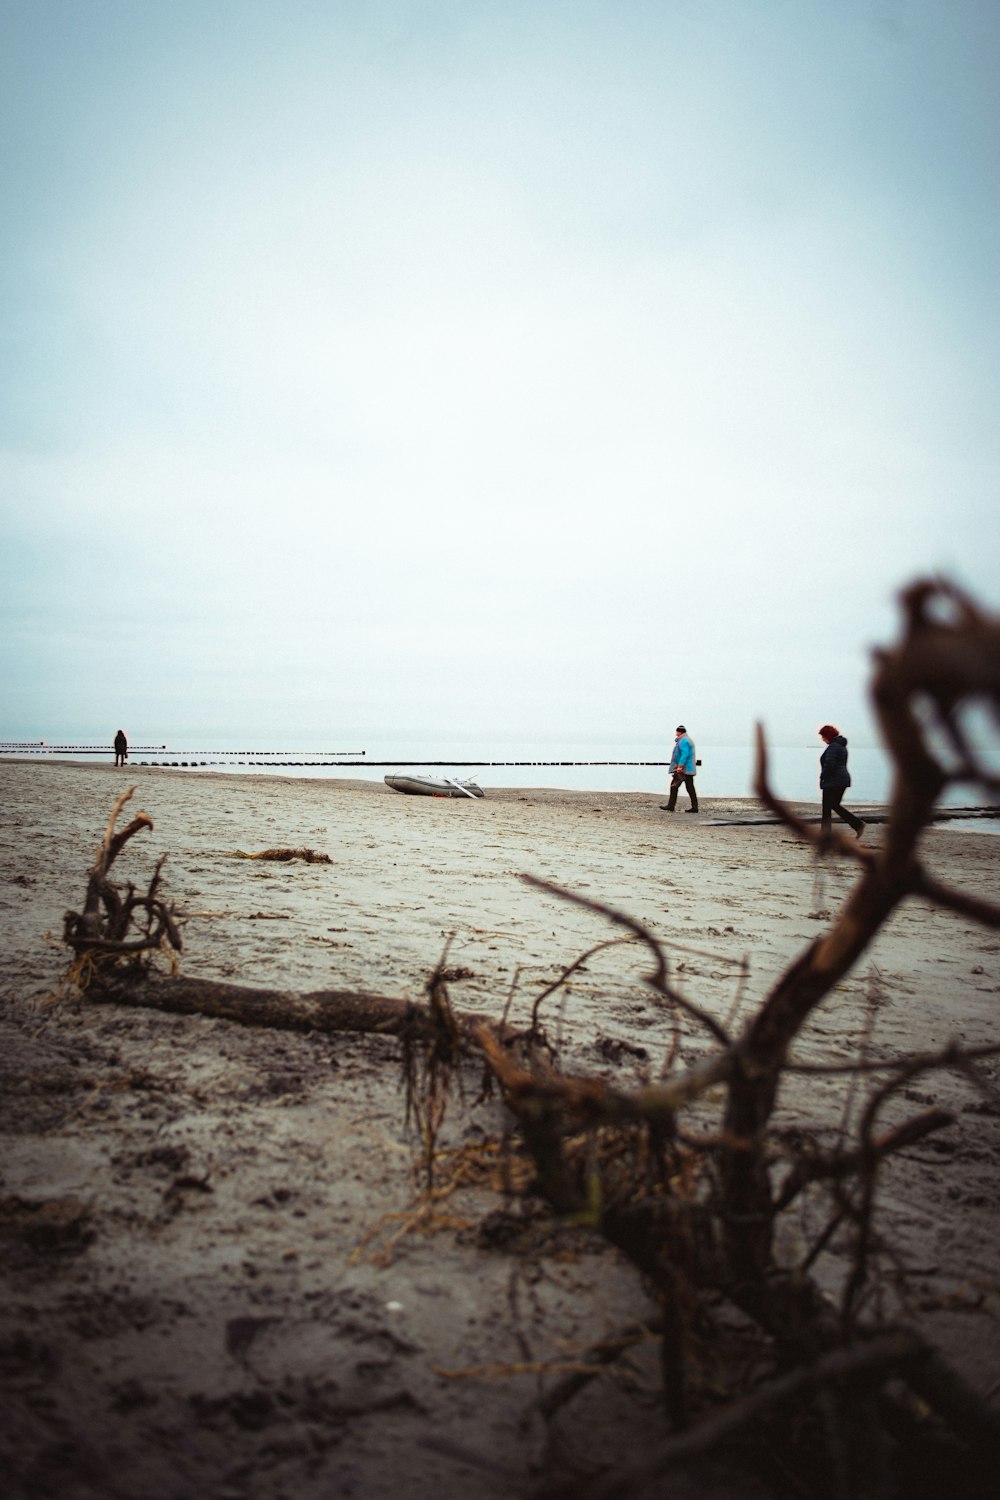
(101,930)
(658,979)
(324,1011)
(308,856)
(841,1164)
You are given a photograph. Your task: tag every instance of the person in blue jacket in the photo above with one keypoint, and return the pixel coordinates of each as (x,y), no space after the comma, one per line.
(682,769)
(834,779)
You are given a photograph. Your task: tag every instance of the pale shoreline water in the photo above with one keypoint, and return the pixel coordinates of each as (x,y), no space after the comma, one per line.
(727,771)
(570,764)
(574,762)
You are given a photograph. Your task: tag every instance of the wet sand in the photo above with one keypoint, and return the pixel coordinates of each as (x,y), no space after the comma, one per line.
(181,1198)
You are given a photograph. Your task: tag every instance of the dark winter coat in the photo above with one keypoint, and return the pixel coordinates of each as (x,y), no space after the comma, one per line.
(833,772)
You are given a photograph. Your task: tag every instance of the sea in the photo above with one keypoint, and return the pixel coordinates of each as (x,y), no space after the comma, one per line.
(576,764)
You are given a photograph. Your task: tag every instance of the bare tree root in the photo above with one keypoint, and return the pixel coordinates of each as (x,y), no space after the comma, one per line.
(100,934)
(888,1354)
(596,1359)
(696,1217)
(688,1176)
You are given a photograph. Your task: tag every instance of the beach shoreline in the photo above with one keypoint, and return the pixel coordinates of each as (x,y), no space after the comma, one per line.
(726,770)
(185,1306)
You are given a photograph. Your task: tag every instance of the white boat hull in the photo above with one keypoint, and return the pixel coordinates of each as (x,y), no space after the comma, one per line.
(433,786)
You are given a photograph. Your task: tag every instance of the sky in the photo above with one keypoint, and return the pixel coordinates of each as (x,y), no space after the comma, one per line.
(522,368)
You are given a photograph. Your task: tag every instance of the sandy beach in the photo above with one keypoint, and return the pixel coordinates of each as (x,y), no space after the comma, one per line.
(192,1305)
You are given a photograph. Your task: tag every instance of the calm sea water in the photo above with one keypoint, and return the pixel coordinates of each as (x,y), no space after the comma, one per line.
(581,765)
(726,770)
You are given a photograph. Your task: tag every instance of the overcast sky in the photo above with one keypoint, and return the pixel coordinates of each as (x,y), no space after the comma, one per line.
(467,366)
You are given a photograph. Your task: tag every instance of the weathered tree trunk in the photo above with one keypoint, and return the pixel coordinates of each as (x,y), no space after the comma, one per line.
(283,1010)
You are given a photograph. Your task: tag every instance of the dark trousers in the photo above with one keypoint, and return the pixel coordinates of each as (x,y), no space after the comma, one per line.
(675,782)
(831,805)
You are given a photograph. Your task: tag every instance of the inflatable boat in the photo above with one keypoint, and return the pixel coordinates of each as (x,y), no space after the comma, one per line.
(433,786)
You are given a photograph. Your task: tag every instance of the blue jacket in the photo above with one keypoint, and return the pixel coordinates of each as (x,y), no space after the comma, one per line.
(833,772)
(683,757)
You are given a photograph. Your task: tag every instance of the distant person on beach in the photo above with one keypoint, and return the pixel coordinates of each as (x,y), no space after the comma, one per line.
(121,748)
(834,779)
(682,769)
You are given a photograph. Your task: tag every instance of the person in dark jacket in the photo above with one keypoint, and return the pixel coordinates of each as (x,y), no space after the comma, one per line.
(834,779)
(121,748)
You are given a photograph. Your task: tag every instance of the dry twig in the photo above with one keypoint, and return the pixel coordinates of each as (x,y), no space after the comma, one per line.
(102,930)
